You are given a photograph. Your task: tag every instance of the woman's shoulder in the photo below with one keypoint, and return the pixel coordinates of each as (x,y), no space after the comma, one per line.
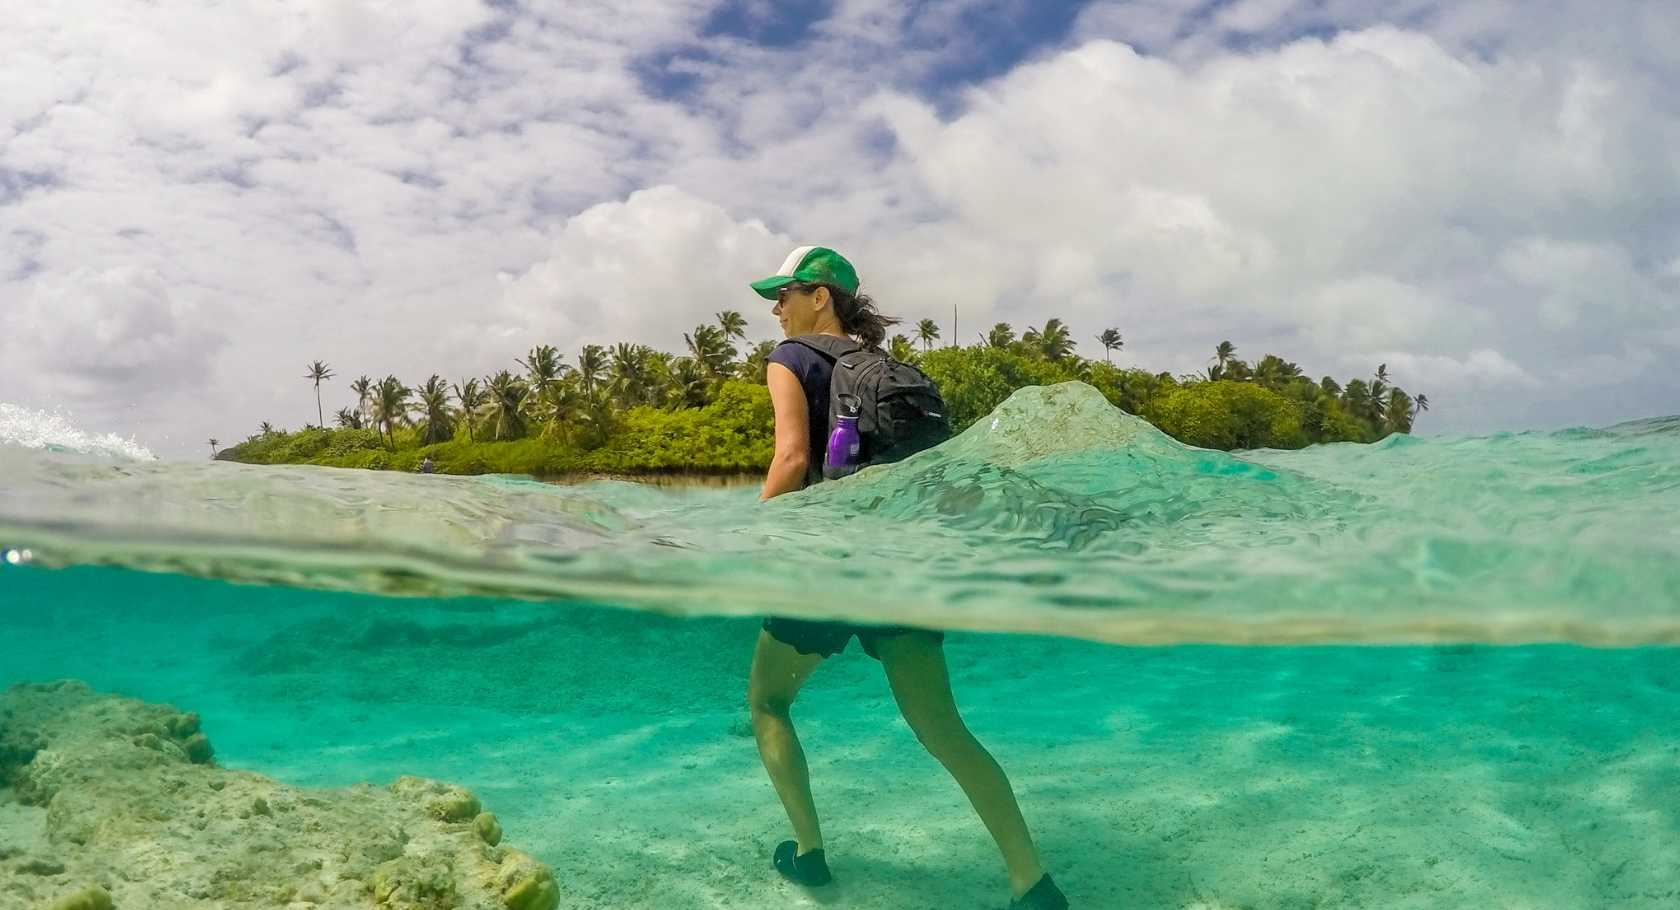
(791,352)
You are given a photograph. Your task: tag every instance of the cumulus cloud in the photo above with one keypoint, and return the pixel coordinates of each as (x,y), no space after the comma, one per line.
(1476,195)
(76,337)
(641,270)
(1481,367)
(1333,200)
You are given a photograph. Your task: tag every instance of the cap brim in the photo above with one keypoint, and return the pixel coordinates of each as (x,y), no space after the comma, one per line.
(767,287)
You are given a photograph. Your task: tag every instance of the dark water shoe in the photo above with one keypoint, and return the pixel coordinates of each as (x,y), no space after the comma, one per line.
(1042,896)
(810,869)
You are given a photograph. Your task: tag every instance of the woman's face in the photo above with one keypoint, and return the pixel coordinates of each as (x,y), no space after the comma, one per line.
(797,308)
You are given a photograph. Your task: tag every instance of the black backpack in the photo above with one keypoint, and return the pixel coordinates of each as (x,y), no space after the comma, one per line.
(900,411)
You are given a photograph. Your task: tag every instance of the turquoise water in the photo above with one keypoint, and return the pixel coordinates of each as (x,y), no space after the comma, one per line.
(1424,673)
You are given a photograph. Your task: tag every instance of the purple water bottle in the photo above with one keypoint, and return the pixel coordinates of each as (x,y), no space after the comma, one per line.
(844,443)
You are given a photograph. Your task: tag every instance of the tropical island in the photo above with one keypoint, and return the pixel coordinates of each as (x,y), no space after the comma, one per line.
(630,410)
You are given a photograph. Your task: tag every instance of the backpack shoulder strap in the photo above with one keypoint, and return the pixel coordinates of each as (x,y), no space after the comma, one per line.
(827,345)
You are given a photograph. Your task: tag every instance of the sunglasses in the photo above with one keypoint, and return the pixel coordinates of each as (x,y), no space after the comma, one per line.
(796,288)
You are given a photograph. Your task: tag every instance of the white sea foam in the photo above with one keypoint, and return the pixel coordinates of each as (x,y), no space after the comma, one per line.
(31,429)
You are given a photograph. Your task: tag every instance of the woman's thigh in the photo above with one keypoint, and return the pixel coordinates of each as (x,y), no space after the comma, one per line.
(778,670)
(921,683)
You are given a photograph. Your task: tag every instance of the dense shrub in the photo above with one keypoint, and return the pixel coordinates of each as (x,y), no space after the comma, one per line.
(1228,415)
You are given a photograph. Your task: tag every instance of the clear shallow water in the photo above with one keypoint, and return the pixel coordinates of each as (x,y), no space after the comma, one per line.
(1460,745)
(1058,515)
(612,745)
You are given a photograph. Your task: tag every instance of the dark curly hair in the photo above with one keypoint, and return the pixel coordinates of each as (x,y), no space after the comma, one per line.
(858,316)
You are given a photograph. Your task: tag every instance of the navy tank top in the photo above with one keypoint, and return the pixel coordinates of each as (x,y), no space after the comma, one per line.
(814,372)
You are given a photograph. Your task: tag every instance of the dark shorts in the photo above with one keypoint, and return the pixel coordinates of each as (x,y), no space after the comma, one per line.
(829,638)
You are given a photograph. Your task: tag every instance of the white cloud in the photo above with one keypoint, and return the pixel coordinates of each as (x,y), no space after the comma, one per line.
(643,270)
(1254,15)
(347,180)
(1361,193)
(1483,366)
(1366,312)
(82,333)
(1571,281)
(1145,24)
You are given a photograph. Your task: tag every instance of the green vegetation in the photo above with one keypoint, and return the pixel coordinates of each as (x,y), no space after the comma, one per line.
(628,409)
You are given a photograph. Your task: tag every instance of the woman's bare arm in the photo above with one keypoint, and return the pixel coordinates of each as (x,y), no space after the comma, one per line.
(793,433)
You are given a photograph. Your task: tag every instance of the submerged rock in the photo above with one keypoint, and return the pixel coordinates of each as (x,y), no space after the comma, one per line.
(90,898)
(137,814)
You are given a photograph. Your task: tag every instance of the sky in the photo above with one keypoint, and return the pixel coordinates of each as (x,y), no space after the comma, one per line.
(197,200)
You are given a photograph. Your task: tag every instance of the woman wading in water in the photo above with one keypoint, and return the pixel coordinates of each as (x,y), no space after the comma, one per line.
(815,292)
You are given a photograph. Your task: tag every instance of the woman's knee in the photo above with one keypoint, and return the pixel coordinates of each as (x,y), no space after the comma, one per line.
(778,672)
(769,704)
(946,739)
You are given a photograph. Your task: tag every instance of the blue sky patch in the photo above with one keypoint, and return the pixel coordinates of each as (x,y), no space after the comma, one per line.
(782,23)
(670,74)
(993,39)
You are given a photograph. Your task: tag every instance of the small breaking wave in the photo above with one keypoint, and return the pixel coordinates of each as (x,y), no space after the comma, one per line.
(31,429)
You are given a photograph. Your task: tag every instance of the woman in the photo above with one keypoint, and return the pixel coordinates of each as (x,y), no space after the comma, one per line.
(815,292)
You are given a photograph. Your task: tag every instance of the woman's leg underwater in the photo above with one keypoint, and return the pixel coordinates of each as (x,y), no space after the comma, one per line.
(777,673)
(921,682)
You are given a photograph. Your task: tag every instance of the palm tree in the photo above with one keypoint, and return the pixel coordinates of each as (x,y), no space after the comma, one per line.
(1331,387)
(1275,373)
(214,442)
(711,350)
(390,406)
(625,366)
(436,425)
(757,363)
(1224,352)
(927,332)
(348,419)
(507,395)
(1111,341)
(542,366)
(1378,391)
(592,363)
(688,382)
(1420,404)
(267,429)
(1357,397)
(1053,341)
(592,416)
(1398,415)
(471,397)
(1002,335)
(558,402)
(628,369)
(657,385)
(901,349)
(733,324)
(317,372)
(363,387)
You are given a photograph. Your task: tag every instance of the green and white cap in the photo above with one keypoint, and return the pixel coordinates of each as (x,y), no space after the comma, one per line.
(811,265)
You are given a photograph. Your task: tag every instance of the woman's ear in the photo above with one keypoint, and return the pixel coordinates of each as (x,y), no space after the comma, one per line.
(821,298)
